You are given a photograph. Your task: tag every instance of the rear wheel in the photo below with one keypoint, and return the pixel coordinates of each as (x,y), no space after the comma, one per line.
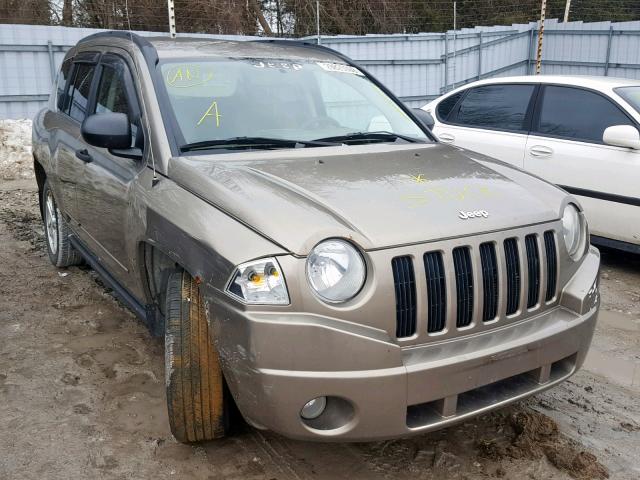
(195,385)
(57,231)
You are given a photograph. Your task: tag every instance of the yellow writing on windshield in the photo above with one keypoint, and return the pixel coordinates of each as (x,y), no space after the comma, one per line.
(185,76)
(212,111)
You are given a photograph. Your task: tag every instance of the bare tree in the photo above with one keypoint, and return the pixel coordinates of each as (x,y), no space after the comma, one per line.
(36,12)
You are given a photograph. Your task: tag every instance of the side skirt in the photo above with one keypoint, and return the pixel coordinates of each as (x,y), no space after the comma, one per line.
(146,313)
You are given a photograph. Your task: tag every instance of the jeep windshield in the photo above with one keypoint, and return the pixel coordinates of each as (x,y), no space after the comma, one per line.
(238,104)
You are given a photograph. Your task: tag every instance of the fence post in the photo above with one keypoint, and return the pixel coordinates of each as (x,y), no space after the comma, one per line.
(543,14)
(529,56)
(479,54)
(52,61)
(172,18)
(606,61)
(446,62)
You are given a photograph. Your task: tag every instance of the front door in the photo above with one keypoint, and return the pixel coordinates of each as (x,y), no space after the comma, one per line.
(104,197)
(566,148)
(72,104)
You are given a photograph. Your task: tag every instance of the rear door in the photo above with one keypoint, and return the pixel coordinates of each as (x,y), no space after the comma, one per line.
(566,148)
(489,119)
(105,195)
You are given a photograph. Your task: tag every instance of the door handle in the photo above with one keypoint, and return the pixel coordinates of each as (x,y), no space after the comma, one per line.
(540,151)
(446,137)
(84,155)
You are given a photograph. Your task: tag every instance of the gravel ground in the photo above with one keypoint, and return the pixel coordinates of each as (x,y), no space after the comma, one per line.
(82,393)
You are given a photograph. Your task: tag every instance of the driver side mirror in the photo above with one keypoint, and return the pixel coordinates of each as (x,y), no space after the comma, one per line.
(111,131)
(424,117)
(622,136)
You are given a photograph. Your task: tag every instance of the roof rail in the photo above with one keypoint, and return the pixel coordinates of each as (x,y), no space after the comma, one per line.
(149,52)
(305,44)
(126,34)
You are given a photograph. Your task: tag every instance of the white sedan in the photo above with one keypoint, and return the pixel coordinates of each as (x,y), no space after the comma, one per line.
(581,133)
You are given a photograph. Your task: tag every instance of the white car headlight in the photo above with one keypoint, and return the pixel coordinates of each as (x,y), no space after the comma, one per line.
(336,270)
(574,231)
(259,282)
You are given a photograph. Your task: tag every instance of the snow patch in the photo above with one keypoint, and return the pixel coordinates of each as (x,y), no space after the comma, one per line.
(15,150)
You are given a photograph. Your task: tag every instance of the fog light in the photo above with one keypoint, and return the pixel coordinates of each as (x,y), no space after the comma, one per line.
(313,408)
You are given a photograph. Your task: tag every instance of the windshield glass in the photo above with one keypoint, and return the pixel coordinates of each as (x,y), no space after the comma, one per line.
(631,95)
(229,98)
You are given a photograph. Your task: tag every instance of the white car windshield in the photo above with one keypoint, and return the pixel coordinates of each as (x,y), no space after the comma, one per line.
(631,95)
(222,99)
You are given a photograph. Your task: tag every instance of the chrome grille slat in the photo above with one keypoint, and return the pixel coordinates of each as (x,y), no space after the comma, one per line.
(513,275)
(464,286)
(552,264)
(405,290)
(436,291)
(489,262)
(533,270)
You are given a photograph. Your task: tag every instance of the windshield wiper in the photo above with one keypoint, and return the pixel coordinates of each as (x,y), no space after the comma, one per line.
(381,136)
(254,142)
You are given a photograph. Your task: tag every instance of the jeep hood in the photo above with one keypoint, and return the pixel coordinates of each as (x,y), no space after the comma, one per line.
(379,195)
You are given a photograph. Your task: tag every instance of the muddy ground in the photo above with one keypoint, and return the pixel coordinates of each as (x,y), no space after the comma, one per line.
(82,393)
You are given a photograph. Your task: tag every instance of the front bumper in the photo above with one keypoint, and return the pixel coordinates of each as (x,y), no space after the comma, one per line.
(275,363)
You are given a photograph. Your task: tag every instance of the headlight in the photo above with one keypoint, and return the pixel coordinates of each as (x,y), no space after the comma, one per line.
(573,231)
(336,270)
(259,282)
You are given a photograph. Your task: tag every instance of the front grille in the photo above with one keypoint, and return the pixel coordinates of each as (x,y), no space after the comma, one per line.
(533,262)
(511,256)
(436,291)
(464,286)
(552,264)
(405,287)
(525,264)
(489,281)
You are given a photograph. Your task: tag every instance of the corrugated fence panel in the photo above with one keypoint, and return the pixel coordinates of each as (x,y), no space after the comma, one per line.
(26,63)
(417,67)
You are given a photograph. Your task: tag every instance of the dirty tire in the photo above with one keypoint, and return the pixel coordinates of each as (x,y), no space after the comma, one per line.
(195,393)
(57,231)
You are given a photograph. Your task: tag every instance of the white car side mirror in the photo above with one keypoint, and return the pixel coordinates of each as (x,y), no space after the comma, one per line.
(622,136)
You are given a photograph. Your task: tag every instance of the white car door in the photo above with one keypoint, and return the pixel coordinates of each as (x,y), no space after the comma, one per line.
(489,119)
(565,147)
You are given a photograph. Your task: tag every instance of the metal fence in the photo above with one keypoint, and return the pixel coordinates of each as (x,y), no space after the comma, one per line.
(416,67)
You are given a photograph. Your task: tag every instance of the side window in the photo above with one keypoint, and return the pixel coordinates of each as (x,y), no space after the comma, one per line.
(446,105)
(500,107)
(112,94)
(79,91)
(61,84)
(577,114)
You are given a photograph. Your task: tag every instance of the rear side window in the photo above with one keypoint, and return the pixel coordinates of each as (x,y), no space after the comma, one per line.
(446,106)
(79,91)
(61,85)
(577,114)
(497,107)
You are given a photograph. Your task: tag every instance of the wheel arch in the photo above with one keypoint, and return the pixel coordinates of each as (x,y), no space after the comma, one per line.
(157,264)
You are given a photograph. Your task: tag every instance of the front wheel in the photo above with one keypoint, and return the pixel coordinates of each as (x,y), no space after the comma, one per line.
(195,385)
(57,231)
